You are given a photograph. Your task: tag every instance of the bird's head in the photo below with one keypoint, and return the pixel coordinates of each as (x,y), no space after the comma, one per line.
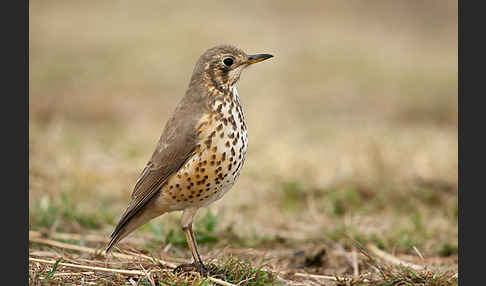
(221,66)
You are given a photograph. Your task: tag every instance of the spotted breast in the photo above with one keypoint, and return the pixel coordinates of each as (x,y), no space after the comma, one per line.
(218,159)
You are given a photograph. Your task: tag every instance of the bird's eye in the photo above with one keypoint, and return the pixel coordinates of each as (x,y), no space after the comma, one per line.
(228,62)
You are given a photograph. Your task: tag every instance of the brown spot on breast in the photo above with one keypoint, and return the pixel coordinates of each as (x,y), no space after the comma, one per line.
(202,124)
(220,126)
(208,143)
(232,151)
(223,157)
(227,144)
(215,148)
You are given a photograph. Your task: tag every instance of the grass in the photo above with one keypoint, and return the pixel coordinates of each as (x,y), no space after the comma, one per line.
(237,271)
(352,137)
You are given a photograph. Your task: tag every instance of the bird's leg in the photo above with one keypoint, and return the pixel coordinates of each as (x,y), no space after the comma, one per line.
(191,241)
(187,218)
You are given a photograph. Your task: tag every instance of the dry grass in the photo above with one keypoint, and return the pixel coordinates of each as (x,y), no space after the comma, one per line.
(353,134)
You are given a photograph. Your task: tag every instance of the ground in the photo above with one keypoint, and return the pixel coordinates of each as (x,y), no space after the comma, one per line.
(352,159)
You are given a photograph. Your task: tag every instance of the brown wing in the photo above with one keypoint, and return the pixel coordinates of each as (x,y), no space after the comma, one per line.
(176,145)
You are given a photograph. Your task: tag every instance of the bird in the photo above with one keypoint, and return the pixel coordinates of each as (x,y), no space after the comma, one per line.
(200,152)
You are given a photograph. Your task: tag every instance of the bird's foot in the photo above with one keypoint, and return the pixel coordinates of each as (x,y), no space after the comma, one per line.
(192,267)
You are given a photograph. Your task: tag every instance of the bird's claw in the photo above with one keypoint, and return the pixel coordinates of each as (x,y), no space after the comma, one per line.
(191,267)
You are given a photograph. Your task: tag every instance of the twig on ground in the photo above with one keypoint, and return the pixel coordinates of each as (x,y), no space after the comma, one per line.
(315,276)
(88,237)
(418,252)
(220,282)
(121,271)
(98,252)
(392,259)
(75,247)
(354,256)
(73,273)
(147,274)
(326,277)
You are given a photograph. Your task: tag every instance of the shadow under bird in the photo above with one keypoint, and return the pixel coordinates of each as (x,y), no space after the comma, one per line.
(200,152)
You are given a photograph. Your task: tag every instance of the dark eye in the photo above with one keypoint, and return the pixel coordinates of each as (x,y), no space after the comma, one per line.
(228,62)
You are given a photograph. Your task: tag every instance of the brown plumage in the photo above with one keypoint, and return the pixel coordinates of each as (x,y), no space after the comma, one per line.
(200,152)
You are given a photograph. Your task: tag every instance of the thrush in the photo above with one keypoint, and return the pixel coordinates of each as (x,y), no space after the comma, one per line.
(201,150)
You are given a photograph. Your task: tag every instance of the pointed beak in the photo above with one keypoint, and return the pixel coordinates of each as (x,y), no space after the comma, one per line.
(258,58)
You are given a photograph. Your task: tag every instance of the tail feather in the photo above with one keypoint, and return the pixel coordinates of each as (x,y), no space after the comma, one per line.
(124,228)
(114,238)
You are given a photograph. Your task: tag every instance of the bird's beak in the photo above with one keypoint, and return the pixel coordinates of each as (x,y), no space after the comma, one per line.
(258,58)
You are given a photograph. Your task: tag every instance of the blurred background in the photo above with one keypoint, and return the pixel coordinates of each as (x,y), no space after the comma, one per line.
(352,125)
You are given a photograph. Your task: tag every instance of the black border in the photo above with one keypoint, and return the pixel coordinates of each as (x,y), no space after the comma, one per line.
(15,132)
(471,64)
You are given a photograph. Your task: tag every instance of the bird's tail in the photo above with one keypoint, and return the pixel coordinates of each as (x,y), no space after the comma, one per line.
(127,227)
(114,239)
